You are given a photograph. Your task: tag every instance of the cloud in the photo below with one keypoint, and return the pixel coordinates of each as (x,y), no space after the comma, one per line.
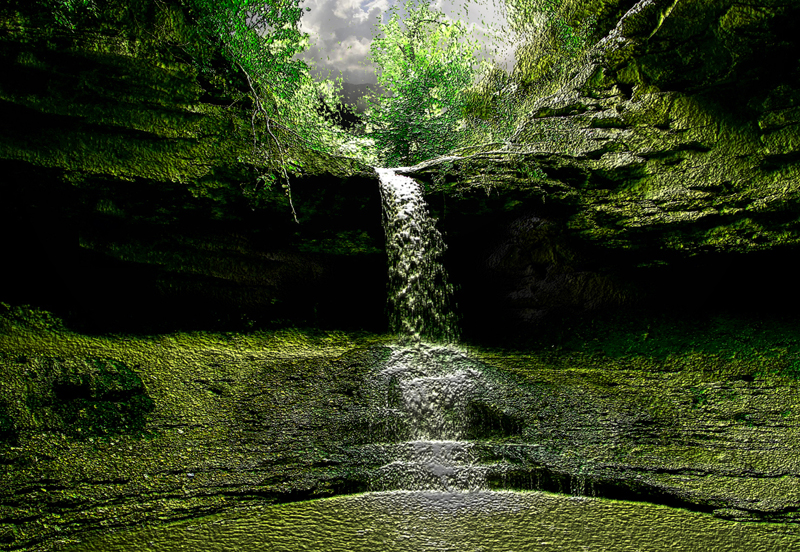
(355,10)
(353,49)
(342,30)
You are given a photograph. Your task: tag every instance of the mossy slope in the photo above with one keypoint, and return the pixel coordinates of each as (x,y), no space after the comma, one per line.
(662,173)
(105,432)
(677,131)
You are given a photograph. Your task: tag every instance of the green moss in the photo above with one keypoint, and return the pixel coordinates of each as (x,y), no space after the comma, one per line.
(341,243)
(28,318)
(252,416)
(609,398)
(749,346)
(107,399)
(8,432)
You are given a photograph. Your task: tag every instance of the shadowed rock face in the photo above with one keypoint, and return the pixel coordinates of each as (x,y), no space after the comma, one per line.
(669,152)
(131,190)
(673,142)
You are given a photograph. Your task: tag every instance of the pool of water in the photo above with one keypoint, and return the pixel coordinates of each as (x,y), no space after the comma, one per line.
(482,521)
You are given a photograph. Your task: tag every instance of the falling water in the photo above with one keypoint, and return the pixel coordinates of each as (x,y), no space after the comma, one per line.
(434,396)
(419,294)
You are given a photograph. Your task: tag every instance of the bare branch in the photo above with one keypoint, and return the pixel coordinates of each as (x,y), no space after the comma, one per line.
(258,107)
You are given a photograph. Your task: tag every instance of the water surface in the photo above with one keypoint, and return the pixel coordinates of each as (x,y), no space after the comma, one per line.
(485,521)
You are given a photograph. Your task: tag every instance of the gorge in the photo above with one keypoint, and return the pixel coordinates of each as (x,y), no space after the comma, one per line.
(432,491)
(608,341)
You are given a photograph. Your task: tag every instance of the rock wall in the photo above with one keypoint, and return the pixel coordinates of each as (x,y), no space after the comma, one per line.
(132,198)
(668,153)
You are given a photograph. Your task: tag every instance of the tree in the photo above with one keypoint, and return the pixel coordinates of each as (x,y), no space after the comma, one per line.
(425,65)
(261,38)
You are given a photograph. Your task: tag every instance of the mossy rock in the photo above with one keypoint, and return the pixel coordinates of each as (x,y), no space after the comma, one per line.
(90,397)
(8,431)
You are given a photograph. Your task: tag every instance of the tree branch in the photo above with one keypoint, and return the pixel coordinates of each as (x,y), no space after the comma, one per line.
(260,108)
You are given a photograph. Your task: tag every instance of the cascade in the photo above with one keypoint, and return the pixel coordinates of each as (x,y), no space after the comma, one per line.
(432,400)
(419,294)
(434,394)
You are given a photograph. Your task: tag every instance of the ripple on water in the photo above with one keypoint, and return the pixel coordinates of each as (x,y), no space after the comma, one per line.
(484,521)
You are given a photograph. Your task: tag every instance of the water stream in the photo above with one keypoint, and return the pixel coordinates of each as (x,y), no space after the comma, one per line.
(419,294)
(432,399)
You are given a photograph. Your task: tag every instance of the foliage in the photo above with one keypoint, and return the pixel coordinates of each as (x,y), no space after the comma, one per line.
(569,21)
(260,39)
(490,106)
(549,36)
(68,12)
(425,65)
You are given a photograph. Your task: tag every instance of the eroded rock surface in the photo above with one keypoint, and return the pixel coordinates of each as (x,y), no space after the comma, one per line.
(673,142)
(131,186)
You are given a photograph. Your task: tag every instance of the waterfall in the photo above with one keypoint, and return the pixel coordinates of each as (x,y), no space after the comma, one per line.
(432,384)
(419,294)
(434,395)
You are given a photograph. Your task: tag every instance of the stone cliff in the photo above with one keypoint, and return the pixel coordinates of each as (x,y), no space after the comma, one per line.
(637,232)
(133,195)
(673,143)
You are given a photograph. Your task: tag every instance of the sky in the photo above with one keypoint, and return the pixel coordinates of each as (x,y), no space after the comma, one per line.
(341,32)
